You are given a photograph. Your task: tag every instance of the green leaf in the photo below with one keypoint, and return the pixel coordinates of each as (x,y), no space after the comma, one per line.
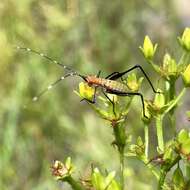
(156,68)
(68,163)
(114,186)
(97,180)
(178,179)
(101,183)
(109,178)
(139,141)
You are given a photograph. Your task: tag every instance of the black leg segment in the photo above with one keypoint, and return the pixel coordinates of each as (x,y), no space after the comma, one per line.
(93,101)
(116,75)
(112,75)
(133,94)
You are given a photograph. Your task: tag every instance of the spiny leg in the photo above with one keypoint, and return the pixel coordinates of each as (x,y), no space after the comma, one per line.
(35,98)
(118,75)
(110,101)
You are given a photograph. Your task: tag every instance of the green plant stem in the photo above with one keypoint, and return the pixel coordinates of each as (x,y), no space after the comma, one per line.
(164,170)
(146,139)
(74,184)
(159,131)
(153,170)
(120,138)
(187,169)
(172,90)
(162,179)
(121,154)
(170,87)
(176,100)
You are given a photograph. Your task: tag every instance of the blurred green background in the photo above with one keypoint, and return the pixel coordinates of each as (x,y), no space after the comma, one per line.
(88,36)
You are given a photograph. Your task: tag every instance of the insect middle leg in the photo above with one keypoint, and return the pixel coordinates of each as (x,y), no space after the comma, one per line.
(112,102)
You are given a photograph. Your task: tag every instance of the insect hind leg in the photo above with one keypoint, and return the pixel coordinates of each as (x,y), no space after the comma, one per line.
(134,94)
(112,75)
(116,75)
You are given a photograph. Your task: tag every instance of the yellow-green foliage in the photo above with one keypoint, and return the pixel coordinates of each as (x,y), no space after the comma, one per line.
(87,36)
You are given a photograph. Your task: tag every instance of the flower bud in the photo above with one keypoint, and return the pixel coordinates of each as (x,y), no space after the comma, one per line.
(185,39)
(148,48)
(132,82)
(158,106)
(186,76)
(59,170)
(159,100)
(86,91)
(170,70)
(62,170)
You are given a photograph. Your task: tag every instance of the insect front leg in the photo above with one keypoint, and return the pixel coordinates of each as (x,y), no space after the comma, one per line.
(93,101)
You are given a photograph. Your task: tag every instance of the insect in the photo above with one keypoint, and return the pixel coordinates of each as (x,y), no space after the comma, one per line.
(107,85)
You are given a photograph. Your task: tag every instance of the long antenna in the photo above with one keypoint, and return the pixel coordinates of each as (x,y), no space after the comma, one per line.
(71,71)
(35,98)
(46,57)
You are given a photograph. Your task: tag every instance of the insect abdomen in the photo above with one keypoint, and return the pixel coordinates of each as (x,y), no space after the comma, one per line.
(111,85)
(108,85)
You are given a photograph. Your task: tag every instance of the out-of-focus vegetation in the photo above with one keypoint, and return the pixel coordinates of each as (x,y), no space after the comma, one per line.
(88,36)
